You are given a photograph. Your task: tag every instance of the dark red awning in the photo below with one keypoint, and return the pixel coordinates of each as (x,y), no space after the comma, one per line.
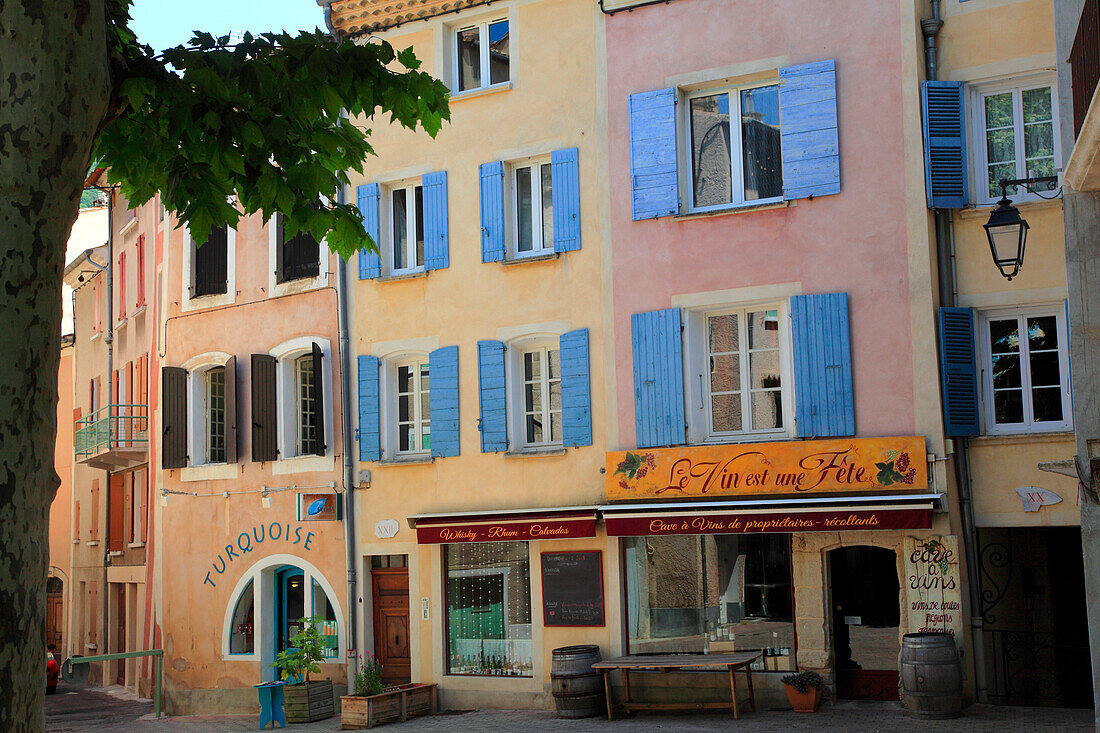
(505,526)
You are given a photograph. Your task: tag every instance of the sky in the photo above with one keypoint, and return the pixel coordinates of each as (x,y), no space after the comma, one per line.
(166,23)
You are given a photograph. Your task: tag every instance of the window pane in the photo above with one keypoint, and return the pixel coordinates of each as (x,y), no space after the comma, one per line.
(763,330)
(1042,333)
(400,233)
(1047,404)
(722,333)
(1037,106)
(419,214)
(555,427)
(1008,406)
(760,139)
(547,208)
(524,224)
(488,602)
(1006,371)
(710,150)
(767,410)
(998,173)
(404,408)
(1000,141)
(532,365)
(404,438)
(764,369)
(242,633)
(404,379)
(1044,369)
(1038,141)
(533,397)
(1000,146)
(1004,336)
(553,359)
(469,59)
(726,412)
(498,52)
(998,110)
(534,428)
(725,373)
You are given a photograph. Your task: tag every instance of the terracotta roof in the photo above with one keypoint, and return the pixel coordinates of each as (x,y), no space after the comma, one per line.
(356,17)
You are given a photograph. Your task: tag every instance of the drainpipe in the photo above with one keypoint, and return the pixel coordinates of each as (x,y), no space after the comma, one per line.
(945,267)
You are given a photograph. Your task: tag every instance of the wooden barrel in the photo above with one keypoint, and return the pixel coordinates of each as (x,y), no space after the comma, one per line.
(931,675)
(577,688)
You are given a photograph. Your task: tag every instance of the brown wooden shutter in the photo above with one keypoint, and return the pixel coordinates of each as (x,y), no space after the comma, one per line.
(280,243)
(94,533)
(264,417)
(231,410)
(142,494)
(76,519)
(116,512)
(93,610)
(210,264)
(319,398)
(174,413)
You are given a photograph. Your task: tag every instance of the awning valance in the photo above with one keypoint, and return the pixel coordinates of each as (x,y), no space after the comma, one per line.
(510,525)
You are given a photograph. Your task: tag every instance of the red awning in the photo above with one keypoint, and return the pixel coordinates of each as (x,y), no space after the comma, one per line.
(513,525)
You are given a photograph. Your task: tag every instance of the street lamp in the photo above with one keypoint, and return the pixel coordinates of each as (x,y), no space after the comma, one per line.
(1007,230)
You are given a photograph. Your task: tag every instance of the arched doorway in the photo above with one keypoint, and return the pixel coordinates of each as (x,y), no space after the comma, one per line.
(865,617)
(55,615)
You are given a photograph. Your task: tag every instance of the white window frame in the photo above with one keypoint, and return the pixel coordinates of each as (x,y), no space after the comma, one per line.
(197,419)
(393,412)
(543,248)
(483,35)
(287,354)
(409,185)
(696,374)
(979,158)
(986,371)
(687,181)
(517,407)
(138,497)
(299,409)
(187,303)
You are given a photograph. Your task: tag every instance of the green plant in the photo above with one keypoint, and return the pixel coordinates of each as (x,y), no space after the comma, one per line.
(303,654)
(368,681)
(803,681)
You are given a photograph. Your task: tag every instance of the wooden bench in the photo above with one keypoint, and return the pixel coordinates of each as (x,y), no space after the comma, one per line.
(666,663)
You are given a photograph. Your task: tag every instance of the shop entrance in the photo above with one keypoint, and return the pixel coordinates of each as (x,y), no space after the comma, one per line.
(390,595)
(865,616)
(290,605)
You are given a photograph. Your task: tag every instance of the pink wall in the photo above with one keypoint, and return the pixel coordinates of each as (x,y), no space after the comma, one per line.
(854,242)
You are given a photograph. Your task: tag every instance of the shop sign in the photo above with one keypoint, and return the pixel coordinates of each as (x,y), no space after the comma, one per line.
(1035,497)
(319,507)
(246,542)
(933,590)
(793,468)
(547,529)
(834,520)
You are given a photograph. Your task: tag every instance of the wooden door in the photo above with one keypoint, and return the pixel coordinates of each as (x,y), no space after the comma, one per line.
(391,623)
(120,638)
(54,623)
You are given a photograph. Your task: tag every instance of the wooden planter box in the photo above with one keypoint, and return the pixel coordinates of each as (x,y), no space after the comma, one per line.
(308,701)
(397,704)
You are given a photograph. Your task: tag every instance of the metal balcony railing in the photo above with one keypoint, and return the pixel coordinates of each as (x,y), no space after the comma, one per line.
(111,427)
(1084,62)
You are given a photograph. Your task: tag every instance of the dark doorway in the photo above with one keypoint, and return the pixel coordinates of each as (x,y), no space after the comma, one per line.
(55,622)
(865,616)
(120,637)
(390,596)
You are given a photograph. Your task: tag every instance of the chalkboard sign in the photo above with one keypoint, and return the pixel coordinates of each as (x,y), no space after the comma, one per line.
(572,588)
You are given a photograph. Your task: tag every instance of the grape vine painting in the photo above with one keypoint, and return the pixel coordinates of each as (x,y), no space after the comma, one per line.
(895,469)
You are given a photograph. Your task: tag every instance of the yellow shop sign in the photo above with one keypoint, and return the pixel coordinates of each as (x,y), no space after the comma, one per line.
(791,468)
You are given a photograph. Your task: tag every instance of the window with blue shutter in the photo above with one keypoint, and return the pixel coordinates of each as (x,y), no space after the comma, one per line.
(492,211)
(653,178)
(370,426)
(658,378)
(958,371)
(824,403)
(945,176)
(367,199)
(492,397)
(576,393)
(811,150)
(443,396)
(436,235)
(565,183)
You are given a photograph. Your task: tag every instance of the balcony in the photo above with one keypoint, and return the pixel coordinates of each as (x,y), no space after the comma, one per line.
(1083,168)
(114,437)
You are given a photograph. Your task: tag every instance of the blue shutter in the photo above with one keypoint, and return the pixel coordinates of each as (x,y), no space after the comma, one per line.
(492,397)
(443,397)
(807,110)
(492,211)
(370,427)
(576,394)
(436,247)
(958,371)
(565,180)
(653,182)
(370,265)
(822,365)
(945,179)
(658,378)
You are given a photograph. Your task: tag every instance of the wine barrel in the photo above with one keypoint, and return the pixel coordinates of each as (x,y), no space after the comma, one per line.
(577,688)
(931,675)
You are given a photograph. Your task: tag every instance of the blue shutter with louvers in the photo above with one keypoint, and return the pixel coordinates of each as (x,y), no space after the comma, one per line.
(958,372)
(370,265)
(945,178)
(436,247)
(824,404)
(565,181)
(492,211)
(653,181)
(576,393)
(658,378)
(443,399)
(492,397)
(370,427)
(808,129)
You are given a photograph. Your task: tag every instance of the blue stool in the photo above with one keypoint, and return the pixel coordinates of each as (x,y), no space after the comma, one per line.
(271,704)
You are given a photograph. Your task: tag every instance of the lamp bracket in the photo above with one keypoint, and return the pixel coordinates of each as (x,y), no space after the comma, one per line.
(1026,184)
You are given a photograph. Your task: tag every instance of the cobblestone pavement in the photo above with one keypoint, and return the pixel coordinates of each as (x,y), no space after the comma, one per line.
(85,710)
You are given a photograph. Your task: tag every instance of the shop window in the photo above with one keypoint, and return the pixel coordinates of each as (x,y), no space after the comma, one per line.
(488,603)
(242,633)
(700,594)
(325,617)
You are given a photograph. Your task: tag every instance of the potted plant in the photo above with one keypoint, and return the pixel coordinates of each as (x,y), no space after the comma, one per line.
(373,703)
(305,700)
(803,691)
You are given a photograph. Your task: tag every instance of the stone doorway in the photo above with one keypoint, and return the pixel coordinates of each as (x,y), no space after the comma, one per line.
(865,618)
